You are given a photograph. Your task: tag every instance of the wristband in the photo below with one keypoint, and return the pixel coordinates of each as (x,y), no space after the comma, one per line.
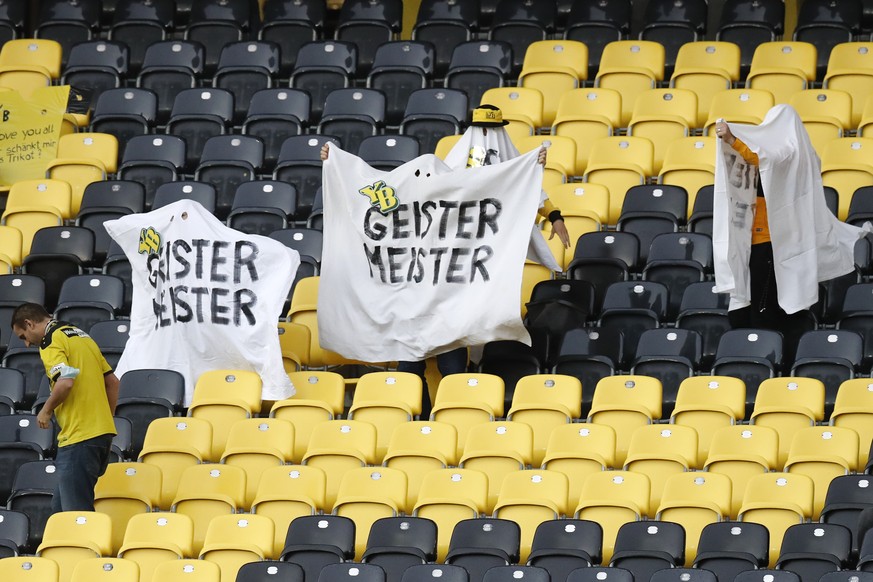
(554,216)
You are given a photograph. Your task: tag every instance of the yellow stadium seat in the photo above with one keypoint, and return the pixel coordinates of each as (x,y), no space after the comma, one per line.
(44,192)
(294,341)
(708,403)
(319,398)
(29,219)
(853,409)
(695,500)
(739,106)
(336,446)
(206,491)
(740,453)
(303,310)
(99,146)
(234,540)
(256,444)
(560,156)
(850,69)
(554,67)
(10,244)
(612,499)
(78,173)
(826,114)
(783,68)
(577,450)
(660,452)
(367,494)
(445,145)
(626,403)
(579,199)
(287,492)
(690,163)
(448,496)
(529,498)
(29,569)
(222,397)
(618,163)
(522,107)
(418,447)
(23,79)
(865,126)
(106,570)
(386,400)
(174,444)
(545,401)
(663,116)
(788,404)
(585,115)
(707,68)
(153,538)
(125,490)
(822,453)
(778,501)
(188,571)
(466,399)
(497,449)
(33,52)
(846,166)
(630,67)
(72,536)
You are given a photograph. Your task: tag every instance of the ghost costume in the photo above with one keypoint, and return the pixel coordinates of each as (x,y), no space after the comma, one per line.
(810,244)
(478,147)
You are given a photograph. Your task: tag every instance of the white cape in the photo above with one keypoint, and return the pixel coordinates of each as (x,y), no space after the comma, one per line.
(809,243)
(205,296)
(478,148)
(423,259)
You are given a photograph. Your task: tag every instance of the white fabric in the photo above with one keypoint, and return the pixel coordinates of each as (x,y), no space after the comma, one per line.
(423,306)
(478,147)
(205,296)
(809,243)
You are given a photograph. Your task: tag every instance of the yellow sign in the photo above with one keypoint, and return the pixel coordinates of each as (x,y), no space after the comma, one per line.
(29,132)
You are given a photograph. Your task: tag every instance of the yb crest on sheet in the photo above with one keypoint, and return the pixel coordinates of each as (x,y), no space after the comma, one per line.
(382,196)
(149,241)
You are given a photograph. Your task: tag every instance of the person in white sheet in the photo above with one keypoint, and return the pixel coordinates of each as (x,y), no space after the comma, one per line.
(484,143)
(770,267)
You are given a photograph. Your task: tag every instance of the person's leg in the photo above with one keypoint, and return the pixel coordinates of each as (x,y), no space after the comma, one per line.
(765,311)
(79,466)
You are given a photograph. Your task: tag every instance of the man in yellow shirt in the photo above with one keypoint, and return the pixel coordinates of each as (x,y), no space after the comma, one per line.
(84,391)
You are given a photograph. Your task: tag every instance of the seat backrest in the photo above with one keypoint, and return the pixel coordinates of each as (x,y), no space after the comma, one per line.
(172,54)
(758,343)
(127,101)
(246,55)
(637,295)
(644,538)
(86,288)
(336,55)
(499,537)
(154,148)
(321,530)
(233,148)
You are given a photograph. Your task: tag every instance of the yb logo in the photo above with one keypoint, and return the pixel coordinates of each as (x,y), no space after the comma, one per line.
(149,241)
(381,196)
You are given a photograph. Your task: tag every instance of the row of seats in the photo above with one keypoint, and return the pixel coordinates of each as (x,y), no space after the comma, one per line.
(556,550)
(746,22)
